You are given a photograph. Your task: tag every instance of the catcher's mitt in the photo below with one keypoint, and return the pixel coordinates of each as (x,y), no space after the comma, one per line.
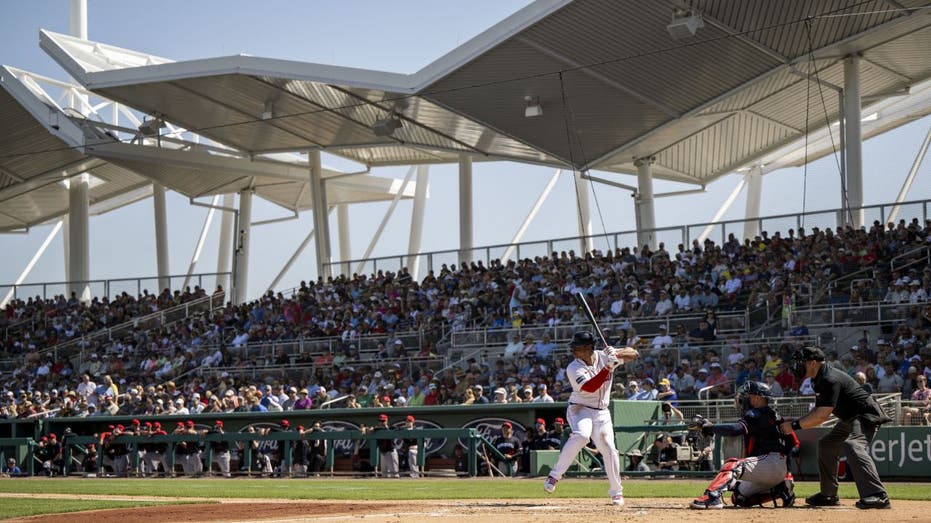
(699,423)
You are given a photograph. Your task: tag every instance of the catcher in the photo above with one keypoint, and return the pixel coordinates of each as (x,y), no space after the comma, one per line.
(762,476)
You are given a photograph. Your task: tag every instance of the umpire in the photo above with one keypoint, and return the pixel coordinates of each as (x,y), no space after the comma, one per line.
(859,417)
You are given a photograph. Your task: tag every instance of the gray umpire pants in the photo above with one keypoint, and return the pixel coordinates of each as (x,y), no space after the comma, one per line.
(854,438)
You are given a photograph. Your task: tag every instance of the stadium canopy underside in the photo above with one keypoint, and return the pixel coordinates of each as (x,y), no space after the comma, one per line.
(34,187)
(611,83)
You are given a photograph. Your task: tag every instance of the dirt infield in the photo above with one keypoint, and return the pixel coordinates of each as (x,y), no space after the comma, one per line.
(562,510)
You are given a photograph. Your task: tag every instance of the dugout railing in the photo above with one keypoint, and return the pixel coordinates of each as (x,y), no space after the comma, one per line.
(476,446)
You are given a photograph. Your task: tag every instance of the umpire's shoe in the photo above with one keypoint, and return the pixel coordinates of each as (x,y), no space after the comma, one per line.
(879,500)
(820,500)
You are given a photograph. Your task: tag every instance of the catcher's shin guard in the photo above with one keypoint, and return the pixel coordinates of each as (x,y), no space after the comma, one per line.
(727,477)
(782,495)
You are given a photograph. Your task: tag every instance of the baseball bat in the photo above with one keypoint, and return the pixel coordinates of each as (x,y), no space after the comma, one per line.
(579,297)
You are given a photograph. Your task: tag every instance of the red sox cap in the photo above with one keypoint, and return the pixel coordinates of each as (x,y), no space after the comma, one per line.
(218,423)
(285,423)
(190,423)
(410,418)
(382,417)
(180,423)
(506,424)
(136,422)
(559,421)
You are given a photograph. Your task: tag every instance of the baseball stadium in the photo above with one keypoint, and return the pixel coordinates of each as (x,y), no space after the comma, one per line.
(617,323)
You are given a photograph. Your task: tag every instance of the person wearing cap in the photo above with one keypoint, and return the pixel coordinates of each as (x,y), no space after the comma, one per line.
(42,454)
(664,455)
(661,341)
(648,391)
(719,381)
(761,477)
(554,437)
(510,448)
(11,469)
(157,452)
(859,417)
(115,450)
(591,376)
(409,443)
(635,462)
(387,452)
(921,401)
(303,400)
(220,449)
(480,398)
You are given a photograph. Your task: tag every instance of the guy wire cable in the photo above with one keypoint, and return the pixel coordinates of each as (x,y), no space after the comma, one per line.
(567,116)
(827,124)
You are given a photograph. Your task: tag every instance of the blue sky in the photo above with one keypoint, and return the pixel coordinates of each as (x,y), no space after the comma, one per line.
(401,36)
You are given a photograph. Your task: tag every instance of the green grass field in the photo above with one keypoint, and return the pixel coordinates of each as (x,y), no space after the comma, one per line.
(404,489)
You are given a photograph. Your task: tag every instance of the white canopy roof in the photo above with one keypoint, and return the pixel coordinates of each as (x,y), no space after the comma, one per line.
(612,84)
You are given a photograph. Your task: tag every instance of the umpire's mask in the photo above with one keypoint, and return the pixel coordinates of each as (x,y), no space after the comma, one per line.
(801,358)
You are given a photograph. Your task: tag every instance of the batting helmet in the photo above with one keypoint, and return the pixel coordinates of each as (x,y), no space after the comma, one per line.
(582,339)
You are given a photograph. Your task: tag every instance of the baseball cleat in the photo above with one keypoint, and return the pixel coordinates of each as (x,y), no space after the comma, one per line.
(617,500)
(705,502)
(549,486)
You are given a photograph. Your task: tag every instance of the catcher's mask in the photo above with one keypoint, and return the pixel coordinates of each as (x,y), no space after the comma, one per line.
(753,388)
(801,358)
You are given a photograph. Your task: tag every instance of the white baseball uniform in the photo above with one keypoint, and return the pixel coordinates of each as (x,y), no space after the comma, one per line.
(589,418)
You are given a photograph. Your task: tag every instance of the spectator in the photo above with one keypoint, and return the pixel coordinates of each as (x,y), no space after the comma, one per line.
(11,469)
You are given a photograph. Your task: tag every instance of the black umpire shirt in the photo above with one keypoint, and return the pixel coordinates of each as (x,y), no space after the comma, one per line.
(835,388)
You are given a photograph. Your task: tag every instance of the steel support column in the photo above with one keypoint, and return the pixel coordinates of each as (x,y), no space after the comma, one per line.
(853,139)
(420,202)
(910,178)
(465,208)
(78,236)
(644,203)
(161,236)
(225,244)
(345,247)
(241,277)
(518,236)
(754,179)
(319,212)
(584,217)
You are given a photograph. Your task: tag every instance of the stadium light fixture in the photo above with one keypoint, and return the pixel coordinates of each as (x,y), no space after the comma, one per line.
(151,127)
(269,111)
(533,107)
(387,126)
(685,23)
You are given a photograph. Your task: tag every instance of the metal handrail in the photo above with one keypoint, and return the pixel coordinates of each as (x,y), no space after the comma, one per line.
(107,333)
(108,283)
(546,247)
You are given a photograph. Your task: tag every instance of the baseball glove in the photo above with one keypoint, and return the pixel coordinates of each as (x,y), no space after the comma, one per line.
(699,423)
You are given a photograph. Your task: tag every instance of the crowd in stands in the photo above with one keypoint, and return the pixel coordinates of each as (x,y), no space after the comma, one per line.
(166,370)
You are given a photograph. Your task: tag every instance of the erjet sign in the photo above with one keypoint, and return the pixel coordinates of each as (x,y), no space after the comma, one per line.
(899,449)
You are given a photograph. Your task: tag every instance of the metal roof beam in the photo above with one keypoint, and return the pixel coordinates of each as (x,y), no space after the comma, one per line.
(903,78)
(251,119)
(410,121)
(598,76)
(742,36)
(49,177)
(10,174)
(816,79)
